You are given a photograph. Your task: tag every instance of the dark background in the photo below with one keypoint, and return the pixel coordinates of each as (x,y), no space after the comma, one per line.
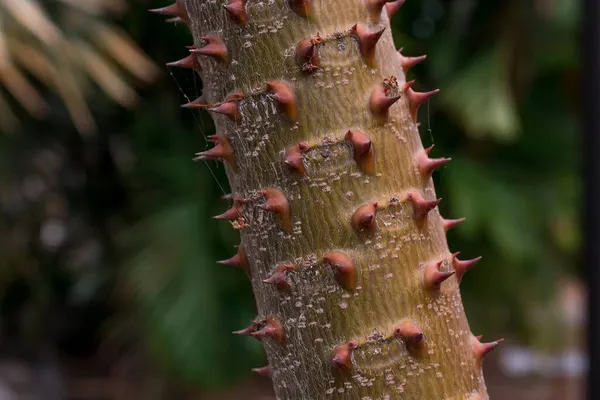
(108,283)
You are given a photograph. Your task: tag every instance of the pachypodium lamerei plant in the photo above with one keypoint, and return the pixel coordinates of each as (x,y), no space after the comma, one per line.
(356,290)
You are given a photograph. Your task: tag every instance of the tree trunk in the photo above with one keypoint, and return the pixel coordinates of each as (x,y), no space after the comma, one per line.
(356,290)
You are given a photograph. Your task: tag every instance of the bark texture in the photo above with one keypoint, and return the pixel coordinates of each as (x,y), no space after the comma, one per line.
(356,290)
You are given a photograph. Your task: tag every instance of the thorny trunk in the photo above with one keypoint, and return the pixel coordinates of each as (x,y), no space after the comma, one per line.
(356,290)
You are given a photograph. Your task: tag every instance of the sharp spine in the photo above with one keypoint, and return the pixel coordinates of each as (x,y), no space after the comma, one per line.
(448,224)
(300,7)
(344,269)
(279,277)
(294,159)
(285,97)
(433,277)
(267,371)
(237,11)
(277,203)
(409,62)
(363,150)
(413,337)
(342,355)
(367,42)
(221,151)
(462,267)
(271,328)
(421,207)
(364,218)
(214,48)
(428,165)
(415,99)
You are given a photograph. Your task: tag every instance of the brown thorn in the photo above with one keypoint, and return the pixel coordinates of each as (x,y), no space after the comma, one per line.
(392,7)
(221,151)
(367,43)
(300,7)
(408,62)
(462,267)
(293,158)
(239,260)
(364,154)
(428,165)
(237,11)
(307,53)
(176,9)
(342,355)
(448,224)
(285,97)
(344,269)
(233,213)
(413,337)
(415,99)
(267,371)
(421,207)
(364,218)
(190,62)
(380,104)
(278,278)
(200,102)
(483,349)
(433,277)
(277,203)
(271,327)
(215,48)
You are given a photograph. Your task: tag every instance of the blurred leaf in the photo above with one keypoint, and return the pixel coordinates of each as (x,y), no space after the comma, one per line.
(479,97)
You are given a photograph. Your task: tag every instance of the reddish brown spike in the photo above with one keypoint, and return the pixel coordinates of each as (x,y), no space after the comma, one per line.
(200,102)
(285,97)
(190,62)
(367,42)
(380,103)
(271,327)
(375,7)
(409,62)
(427,165)
(277,203)
(300,7)
(433,277)
(278,278)
(412,336)
(392,7)
(237,11)
(462,267)
(177,20)
(364,155)
(364,218)
(342,355)
(233,213)
(415,99)
(215,48)
(267,371)
(482,349)
(221,151)
(230,107)
(176,9)
(448,224)
(293,158)
(247,331)
(307,52)
(344,269)
(239,260)
(421,207)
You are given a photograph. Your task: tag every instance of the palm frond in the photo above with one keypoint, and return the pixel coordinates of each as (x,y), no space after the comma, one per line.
(66,52)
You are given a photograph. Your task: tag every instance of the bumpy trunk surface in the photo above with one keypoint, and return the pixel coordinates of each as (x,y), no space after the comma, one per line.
(356,290)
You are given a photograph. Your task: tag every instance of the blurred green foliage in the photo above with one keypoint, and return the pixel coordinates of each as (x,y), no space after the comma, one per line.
(134,211)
